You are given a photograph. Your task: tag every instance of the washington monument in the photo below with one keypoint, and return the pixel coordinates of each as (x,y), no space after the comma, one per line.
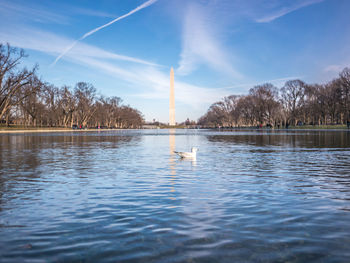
(172,100)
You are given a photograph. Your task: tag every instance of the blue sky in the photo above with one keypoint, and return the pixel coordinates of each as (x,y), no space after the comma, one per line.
(217,47)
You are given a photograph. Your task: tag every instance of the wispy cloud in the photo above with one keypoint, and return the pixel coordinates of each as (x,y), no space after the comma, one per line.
(140,7)
(155,83)
(244,87)
(33,13)
(334,68)
(285,10)
(89,12)
(50,43)
(153,79)
(192,95)
(201,46)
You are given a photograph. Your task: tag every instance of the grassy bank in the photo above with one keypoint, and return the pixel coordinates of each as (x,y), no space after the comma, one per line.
(304,127)
(13,128)
(23,129)
(319,127)
(19,127)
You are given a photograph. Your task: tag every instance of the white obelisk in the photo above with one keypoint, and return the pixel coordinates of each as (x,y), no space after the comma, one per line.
(172,100)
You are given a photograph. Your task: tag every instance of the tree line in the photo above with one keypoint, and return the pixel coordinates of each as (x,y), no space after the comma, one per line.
(296,103)
(27,100)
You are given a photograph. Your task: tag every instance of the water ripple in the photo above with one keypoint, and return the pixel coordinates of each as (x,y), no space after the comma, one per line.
(124,197)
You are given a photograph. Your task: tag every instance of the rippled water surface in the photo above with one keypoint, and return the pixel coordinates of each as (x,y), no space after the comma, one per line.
(123,196)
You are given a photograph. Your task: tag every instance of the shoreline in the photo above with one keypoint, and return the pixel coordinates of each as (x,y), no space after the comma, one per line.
(56,130)
(2,131)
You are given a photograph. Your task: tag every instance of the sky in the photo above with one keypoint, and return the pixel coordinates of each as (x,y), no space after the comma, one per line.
(217,48)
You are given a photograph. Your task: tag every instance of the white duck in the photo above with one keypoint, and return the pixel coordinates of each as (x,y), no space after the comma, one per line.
(191,154)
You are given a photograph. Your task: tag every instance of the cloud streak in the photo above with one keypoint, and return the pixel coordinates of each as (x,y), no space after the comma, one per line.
(32,13)
(149,81)
(285,10)
(28,38)
(333,68)
(201,45)
(245,87)
(89,12)
(140,7)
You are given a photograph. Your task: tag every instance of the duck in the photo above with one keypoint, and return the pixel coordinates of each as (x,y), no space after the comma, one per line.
(191,154)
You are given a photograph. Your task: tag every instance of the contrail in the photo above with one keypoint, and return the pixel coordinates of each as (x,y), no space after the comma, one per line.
(144,5)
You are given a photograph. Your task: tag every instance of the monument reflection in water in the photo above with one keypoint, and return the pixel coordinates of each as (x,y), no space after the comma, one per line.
(172,162)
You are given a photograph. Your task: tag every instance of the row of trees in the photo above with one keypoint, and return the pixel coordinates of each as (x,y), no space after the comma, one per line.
(27,100)
(295,103)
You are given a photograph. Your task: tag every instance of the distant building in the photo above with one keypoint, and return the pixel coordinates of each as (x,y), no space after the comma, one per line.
(172,100)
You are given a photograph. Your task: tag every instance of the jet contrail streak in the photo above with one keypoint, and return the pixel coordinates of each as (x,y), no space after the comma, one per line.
(144,5)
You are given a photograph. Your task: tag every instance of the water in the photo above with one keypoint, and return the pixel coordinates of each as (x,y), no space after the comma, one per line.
(122,196)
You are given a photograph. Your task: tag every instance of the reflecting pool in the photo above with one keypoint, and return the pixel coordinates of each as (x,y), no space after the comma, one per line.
(124,196)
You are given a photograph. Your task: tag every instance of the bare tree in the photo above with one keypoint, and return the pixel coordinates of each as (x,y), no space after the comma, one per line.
(344,82)
(108,111)
(331,94)
(85,94)
(130,118)
(51,97)
(246,111)
(293,93)
(12,80)
(265,103)
(67,105)
(219,113)
(32,105)
(311,104)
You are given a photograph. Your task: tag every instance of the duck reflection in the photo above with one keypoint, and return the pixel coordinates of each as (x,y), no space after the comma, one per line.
(193,161)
